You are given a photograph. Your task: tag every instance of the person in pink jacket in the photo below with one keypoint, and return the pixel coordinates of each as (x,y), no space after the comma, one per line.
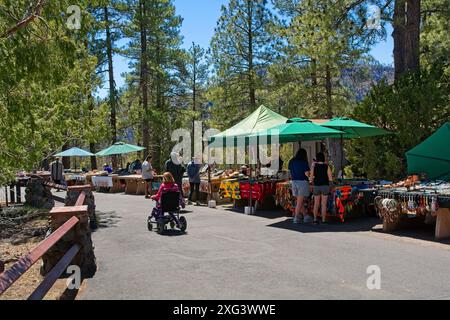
(168,185)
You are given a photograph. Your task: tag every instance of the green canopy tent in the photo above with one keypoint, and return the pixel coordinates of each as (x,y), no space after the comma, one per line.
(262,119)
(119,148)
(294,130)
(432,156)
(75,152)
(352,130)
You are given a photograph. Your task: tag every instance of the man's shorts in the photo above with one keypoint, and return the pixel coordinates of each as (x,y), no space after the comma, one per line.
(300,188)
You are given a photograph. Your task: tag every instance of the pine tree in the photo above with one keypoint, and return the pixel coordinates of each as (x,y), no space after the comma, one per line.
(155,51)
(106,32)
(195,76)
(323,38)
(45,77)
(242,48)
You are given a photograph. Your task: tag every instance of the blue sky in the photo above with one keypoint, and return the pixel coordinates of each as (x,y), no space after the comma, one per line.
(199,20)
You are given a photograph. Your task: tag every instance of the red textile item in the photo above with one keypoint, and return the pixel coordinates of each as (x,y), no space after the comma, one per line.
(259,190)
(166,187)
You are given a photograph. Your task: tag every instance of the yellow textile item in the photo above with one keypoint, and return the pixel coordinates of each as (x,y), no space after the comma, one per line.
(230,189)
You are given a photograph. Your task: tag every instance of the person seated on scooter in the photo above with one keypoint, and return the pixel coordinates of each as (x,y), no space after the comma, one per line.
(168,185)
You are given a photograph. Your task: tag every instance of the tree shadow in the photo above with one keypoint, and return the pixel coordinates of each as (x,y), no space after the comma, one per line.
(108,219)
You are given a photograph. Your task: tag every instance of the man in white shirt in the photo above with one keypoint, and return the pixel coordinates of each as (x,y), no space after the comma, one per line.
(147,175)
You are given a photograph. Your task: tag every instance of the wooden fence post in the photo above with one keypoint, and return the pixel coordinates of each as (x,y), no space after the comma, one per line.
(73,195)
(80,235)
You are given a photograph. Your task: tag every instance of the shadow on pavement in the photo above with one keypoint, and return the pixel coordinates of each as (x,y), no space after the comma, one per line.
(108,219)
(419,231)
(173,233)
(266,214)
(356,225)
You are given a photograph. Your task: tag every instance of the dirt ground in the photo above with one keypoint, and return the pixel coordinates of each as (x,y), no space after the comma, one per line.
(16,240)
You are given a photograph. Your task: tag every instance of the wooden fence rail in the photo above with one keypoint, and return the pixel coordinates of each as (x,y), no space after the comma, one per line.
(10,276)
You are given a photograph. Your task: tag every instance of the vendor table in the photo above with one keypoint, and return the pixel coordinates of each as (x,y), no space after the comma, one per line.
(423,202)
(243,189)
(258,191)
(118,184)
(113,183)
(135,184)
(89,177)
(75,179)
(45,175)
(204,186)
(102,181)
(341,203)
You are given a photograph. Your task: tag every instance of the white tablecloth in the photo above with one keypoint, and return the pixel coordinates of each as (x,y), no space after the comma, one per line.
(105,182)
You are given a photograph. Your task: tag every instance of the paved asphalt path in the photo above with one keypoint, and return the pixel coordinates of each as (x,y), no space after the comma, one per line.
(228,255)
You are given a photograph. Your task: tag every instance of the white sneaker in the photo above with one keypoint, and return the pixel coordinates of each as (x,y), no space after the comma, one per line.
(295,220)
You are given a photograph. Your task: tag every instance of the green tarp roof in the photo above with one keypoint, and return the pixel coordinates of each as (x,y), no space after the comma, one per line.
(297,129)
(432,156)
(354,129)
(262,119)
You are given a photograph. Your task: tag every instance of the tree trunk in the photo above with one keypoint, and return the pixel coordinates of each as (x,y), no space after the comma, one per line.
(399,38)
(112,83)
(91,143)
(66,160)
(144,79)
(412,44)
(328,87)
(406,36)
(194,100)
(93,158)
(157,137)
(251,71)
(315,97)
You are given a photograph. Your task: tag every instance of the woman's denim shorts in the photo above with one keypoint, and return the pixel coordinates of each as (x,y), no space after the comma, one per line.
(300,188)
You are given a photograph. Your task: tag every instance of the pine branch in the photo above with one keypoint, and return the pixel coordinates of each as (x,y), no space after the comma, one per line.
(26,21)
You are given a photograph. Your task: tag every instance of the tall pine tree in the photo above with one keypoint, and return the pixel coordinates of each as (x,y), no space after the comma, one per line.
(242,49)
